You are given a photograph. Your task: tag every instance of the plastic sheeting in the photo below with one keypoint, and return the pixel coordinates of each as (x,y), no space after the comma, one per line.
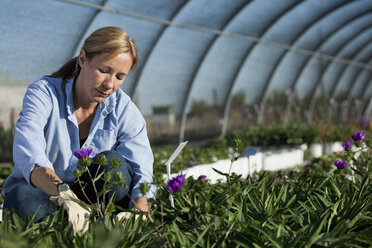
(206,52)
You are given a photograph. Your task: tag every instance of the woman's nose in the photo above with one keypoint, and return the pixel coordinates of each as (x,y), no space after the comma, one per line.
(109,82)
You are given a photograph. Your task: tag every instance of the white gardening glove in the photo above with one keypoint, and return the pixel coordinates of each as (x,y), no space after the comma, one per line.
(124,216)
(77,215)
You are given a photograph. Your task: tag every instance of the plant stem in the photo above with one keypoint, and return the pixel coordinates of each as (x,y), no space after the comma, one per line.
(99,167)
(104,184)
(166,240)
(232,161)
(187,201)
(84,191)
(96,192)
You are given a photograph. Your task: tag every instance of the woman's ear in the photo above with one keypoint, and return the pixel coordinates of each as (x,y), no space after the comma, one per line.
(82,57)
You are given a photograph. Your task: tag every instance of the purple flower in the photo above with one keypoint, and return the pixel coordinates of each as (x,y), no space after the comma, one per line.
(347,145)
(85,152)
(358,136)
(176,183)
(202,178)
(340,164)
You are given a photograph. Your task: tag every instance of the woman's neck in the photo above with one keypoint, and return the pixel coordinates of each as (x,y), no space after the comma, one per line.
(80,100)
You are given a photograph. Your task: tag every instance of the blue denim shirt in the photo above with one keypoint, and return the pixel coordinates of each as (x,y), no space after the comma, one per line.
(47,134)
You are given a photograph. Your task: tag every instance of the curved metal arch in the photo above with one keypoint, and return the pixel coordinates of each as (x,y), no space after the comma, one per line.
(364,95)
(368,107)
(342,73)
(364,85)
(293,85)
(266,85)
(365,47)
(227,100)
(87,28)
(368,104)
(313,93)
(343,70)
(191,83)
(137,77)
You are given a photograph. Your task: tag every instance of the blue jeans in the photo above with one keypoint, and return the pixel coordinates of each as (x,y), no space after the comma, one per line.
(27,200)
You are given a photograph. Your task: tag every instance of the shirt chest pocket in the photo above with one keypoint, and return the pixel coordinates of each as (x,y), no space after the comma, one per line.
(104,140)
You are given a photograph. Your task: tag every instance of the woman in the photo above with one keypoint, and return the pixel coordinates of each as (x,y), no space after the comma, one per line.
(79,106)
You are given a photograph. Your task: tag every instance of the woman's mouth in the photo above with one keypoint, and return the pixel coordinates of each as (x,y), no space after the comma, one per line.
(103,94)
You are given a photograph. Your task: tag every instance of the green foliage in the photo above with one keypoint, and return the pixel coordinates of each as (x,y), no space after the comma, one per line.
(329,132)
(198,107)
(318,206)
(6,145)
(4,172)
(274,135)
(238,99)
(310,208)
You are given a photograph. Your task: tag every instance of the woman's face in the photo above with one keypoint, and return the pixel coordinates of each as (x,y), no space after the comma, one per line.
(99,80)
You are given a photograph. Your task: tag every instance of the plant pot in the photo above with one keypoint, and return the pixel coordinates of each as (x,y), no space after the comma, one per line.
(316,149)
(332,147)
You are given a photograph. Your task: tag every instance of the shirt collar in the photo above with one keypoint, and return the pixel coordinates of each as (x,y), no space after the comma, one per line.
(69,95)
(109,103)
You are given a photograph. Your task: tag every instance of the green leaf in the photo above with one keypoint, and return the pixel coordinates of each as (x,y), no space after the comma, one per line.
(315,235)
(200,237)
(220,172)
(268,234)
(98,176)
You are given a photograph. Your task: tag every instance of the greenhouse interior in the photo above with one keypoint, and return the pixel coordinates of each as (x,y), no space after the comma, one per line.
(258,116)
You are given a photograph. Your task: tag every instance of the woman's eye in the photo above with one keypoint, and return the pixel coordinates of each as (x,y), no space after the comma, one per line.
(120,77)
(103,70)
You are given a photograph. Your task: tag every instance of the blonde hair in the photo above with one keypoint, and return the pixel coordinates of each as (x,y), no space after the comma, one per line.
(110,40)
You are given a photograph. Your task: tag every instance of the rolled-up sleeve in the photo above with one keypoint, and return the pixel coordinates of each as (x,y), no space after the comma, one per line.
(29,141)
(134,145)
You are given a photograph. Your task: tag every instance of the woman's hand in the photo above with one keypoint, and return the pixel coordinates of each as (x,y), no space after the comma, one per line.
(142,204)
(77,215)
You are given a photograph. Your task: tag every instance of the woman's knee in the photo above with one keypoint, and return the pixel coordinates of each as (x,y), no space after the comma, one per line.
(124,167)
(28,201)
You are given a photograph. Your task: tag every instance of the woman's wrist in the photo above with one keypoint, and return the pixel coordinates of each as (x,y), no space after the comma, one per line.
(45,179)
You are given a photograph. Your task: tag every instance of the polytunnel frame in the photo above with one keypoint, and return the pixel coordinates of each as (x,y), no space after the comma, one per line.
(137,79)
(325,68)
(218,32)
(368,106)
(348,107)
(293,85)
(189,87)
(228,98)
(343,71)
(187,97)
(365,85)
(262,97)
(77,47)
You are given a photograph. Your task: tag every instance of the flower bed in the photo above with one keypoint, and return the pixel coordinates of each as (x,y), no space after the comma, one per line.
(325,203)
